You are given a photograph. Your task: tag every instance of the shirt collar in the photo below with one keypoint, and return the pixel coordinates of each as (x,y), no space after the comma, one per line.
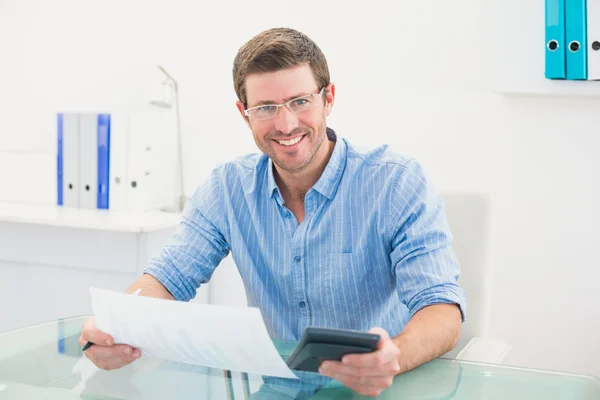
(330,179)
(272,186)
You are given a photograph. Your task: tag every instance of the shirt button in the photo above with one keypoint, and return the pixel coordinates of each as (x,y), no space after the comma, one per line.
(302,304)
(287,214)
(297,258)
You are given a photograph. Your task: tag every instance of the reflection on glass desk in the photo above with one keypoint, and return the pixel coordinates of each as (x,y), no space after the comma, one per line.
(46,362)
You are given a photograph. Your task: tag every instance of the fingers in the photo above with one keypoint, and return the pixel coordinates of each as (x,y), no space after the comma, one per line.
(381,332)
(111,357)
(368,374)
(116,351)
(91,334)
(389,352)
(386,352)
(104,353)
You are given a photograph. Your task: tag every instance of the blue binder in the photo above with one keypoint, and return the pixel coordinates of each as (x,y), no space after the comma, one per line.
(59,159)
(555,40)
(576,36)
(103,160)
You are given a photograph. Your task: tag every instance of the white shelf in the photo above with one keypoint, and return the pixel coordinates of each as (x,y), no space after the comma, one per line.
(549,87)
(104,220)
(514,52)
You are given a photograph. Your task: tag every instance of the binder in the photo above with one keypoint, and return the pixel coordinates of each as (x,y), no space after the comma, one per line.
(141,187)
(140,166)
(103,137)
(576,37)
(555,40)
(88,165)
(59,159)
(593,26)
(68,160)
(119,161)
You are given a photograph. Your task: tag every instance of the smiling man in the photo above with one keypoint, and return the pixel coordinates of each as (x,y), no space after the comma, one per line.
(322,233)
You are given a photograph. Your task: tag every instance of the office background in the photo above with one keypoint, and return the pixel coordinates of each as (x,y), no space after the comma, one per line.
(426,77)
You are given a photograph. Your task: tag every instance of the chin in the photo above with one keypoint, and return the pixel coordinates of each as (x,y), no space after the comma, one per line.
(291,166)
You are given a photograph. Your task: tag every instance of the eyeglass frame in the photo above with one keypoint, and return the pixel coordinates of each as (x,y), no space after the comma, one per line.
(287,103)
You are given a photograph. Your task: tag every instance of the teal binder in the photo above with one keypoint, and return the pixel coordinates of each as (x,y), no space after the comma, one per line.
(576,35)
(555,40)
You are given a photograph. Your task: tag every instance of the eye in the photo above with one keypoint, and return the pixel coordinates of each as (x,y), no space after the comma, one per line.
(300,102)
(266,108)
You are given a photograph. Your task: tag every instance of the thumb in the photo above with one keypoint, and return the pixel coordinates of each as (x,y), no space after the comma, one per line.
(381,332)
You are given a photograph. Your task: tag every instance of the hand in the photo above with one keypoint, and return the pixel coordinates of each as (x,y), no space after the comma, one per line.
(368,374)
(105,354)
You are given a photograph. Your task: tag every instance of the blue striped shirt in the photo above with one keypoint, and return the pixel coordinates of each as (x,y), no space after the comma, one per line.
(372,250)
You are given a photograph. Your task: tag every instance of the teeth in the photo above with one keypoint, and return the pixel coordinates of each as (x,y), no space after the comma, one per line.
(290,142)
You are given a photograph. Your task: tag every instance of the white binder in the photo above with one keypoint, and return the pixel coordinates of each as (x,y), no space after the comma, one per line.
(593,27)
(142,159)
(70,160)
(88,163)
(143,192)
(119,162)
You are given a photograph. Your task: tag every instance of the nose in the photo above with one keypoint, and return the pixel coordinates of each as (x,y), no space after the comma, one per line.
(285,120)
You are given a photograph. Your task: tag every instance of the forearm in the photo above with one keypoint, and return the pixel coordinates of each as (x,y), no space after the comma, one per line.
(431,332)
(150,287)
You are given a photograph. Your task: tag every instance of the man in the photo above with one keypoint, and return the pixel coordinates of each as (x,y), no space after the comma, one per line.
(322,234)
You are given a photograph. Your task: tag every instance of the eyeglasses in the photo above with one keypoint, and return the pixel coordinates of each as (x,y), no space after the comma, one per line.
(297,105)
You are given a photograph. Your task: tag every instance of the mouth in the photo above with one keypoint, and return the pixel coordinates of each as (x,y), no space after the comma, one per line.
(290,143)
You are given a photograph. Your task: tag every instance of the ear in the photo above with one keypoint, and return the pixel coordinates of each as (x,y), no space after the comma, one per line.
(329,98)
(241,108)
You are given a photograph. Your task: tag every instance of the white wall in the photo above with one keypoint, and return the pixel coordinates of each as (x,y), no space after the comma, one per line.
(415,74)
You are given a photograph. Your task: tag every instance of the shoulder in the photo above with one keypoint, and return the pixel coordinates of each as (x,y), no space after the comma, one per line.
(229,177)
(242,164)
(399,175)
(376,158)
(242,168)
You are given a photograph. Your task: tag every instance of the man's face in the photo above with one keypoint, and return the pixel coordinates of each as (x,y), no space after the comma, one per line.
(291,139)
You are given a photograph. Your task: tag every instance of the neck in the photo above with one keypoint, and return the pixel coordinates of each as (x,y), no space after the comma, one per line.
(295,184)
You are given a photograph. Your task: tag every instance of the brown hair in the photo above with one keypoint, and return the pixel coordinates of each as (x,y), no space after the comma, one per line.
(276,49)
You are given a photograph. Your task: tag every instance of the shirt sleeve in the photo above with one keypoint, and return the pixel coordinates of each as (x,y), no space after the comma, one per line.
(197,246)
(423,262)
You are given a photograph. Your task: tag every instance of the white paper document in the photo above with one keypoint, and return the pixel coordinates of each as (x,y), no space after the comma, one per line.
(225,337)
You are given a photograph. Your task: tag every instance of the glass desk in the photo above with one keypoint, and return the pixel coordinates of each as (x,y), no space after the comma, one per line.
(46,362)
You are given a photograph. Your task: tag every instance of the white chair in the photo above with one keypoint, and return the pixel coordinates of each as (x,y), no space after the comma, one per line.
(470,216)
